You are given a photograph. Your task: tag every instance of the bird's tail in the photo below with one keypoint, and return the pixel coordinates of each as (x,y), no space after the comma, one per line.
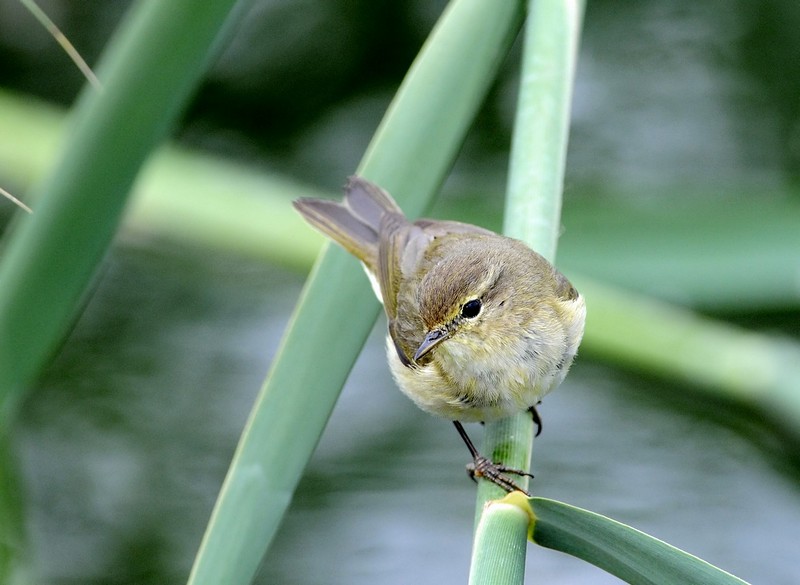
(355,222)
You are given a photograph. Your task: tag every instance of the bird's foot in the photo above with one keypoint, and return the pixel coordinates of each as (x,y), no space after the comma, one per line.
(493,472)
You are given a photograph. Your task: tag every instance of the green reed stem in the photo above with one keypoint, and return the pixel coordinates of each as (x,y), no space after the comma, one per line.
(533,203)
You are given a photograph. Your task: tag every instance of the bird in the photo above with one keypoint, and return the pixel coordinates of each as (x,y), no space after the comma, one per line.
(480,326)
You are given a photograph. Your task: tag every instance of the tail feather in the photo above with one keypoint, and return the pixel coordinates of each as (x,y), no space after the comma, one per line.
(368,202)
(355,223)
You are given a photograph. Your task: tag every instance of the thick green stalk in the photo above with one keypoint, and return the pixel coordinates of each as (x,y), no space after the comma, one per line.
(501,542)
(148,72)
(533,204)
(536,173)
(541,126)
(409,155)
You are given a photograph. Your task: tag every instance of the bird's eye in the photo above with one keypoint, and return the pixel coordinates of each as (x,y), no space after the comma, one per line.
(471,309)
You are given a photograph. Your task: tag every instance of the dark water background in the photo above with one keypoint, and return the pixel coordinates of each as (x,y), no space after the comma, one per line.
(125,441)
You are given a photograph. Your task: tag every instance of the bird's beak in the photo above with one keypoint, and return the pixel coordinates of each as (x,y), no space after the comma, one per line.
(432,339)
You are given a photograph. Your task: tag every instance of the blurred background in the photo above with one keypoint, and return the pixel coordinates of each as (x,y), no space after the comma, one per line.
(685,144)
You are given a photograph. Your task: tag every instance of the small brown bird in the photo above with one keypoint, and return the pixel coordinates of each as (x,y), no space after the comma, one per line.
(480,326)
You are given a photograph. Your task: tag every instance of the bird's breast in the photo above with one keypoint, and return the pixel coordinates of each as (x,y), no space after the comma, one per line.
(469,383)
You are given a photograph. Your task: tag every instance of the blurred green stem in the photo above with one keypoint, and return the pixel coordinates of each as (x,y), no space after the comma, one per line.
(224,206)
(611,235)
(652,336)
(51,256)
(14,557)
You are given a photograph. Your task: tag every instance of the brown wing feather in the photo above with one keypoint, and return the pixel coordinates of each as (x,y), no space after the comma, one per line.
(394,232)
(435,227)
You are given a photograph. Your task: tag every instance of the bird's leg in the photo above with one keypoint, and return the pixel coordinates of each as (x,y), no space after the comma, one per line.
(537,420)
(488,469)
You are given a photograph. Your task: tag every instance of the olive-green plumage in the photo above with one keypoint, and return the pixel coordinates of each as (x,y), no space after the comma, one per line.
(480,325)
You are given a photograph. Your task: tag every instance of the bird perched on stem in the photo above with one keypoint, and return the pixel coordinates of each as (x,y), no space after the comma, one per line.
(480,326)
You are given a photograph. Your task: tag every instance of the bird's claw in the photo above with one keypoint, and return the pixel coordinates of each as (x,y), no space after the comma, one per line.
(493,472)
